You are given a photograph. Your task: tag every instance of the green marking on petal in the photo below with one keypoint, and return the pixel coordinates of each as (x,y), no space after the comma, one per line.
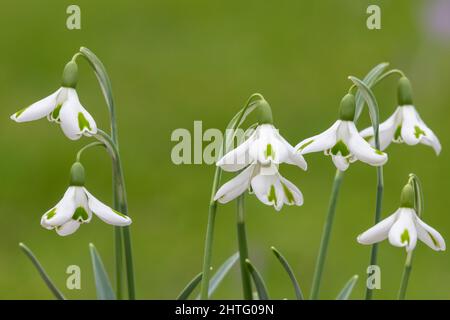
(270,153)
(120,214)
(272,197)
(378,151)
(50,214)
(55,112)
(80,214)
(82,122)
(398,133)
(435,242)
(340,147)
(288,194)
(405,236)
(18,113)
(418,132)
(303,146)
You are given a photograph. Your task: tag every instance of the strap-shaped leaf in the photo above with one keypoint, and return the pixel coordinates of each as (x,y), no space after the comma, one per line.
(190,287)
(370,79)
(258,280)
(373,107)
(290,272)
(102,283)
(42,272)
(418,194)
(348,288)
(220,274)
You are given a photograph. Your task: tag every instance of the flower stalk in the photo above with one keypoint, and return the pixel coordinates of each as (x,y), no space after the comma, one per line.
(243,248)
(326,235)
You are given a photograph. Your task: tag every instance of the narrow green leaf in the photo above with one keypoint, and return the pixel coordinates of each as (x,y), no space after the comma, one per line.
(102,283)
(418,194)
(348,288)
(370,79)
(290,272)
(42,272)
(369,97)
(221,273)
(184,295)
(258,280)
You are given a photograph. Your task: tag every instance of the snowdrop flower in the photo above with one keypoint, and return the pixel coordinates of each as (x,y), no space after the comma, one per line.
(269,186)
(404,227)
(405,125)
(63,107)
(260,156)
(343,142)
(76,207)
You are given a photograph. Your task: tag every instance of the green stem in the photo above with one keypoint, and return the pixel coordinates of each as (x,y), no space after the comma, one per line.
(326,235)
(90,145)
(379,199)
(405,277)
(122,234)
(209,237)
(243,248)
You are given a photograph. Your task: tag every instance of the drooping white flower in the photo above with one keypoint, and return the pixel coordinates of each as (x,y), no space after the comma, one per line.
(63,107)
(265,146)
(77,206)
(404,125)
(269,186)
(258,157)
(343,142)
(403,228)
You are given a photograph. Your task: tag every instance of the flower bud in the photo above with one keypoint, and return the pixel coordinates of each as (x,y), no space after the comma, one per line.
(265,112)
(347,109)
(77,177)
(407,197)
(404,92)
(70,75)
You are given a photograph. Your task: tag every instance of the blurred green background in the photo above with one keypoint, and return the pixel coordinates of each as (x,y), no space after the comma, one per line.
(173,62)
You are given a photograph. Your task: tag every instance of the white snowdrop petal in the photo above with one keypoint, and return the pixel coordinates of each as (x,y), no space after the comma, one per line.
(362,150)
(403,232)
(320,142)
(236,186)
(340,162)
(238,158)
(411,129)
(387,130)
(430,236)
(37,110)
(106,213)
(292,194)
(62,212)
(68,228)
(378,232)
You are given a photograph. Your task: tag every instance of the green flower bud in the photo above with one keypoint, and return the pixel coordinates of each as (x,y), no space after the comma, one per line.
(265,112)
(70,75)
(347,109)
(407,197)
(77,177)
(404,92)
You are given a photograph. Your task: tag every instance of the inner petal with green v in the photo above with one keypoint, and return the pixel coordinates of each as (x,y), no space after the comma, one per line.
(82,122)
(418,132)
(340,148)
(288,194)
(80,214)
(270,153)
(272,197)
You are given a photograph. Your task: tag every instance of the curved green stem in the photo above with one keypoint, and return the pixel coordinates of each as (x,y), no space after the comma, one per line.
(121,234)
(387,74)
(90,145)
(121,205)
(326,235)
(243,248)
